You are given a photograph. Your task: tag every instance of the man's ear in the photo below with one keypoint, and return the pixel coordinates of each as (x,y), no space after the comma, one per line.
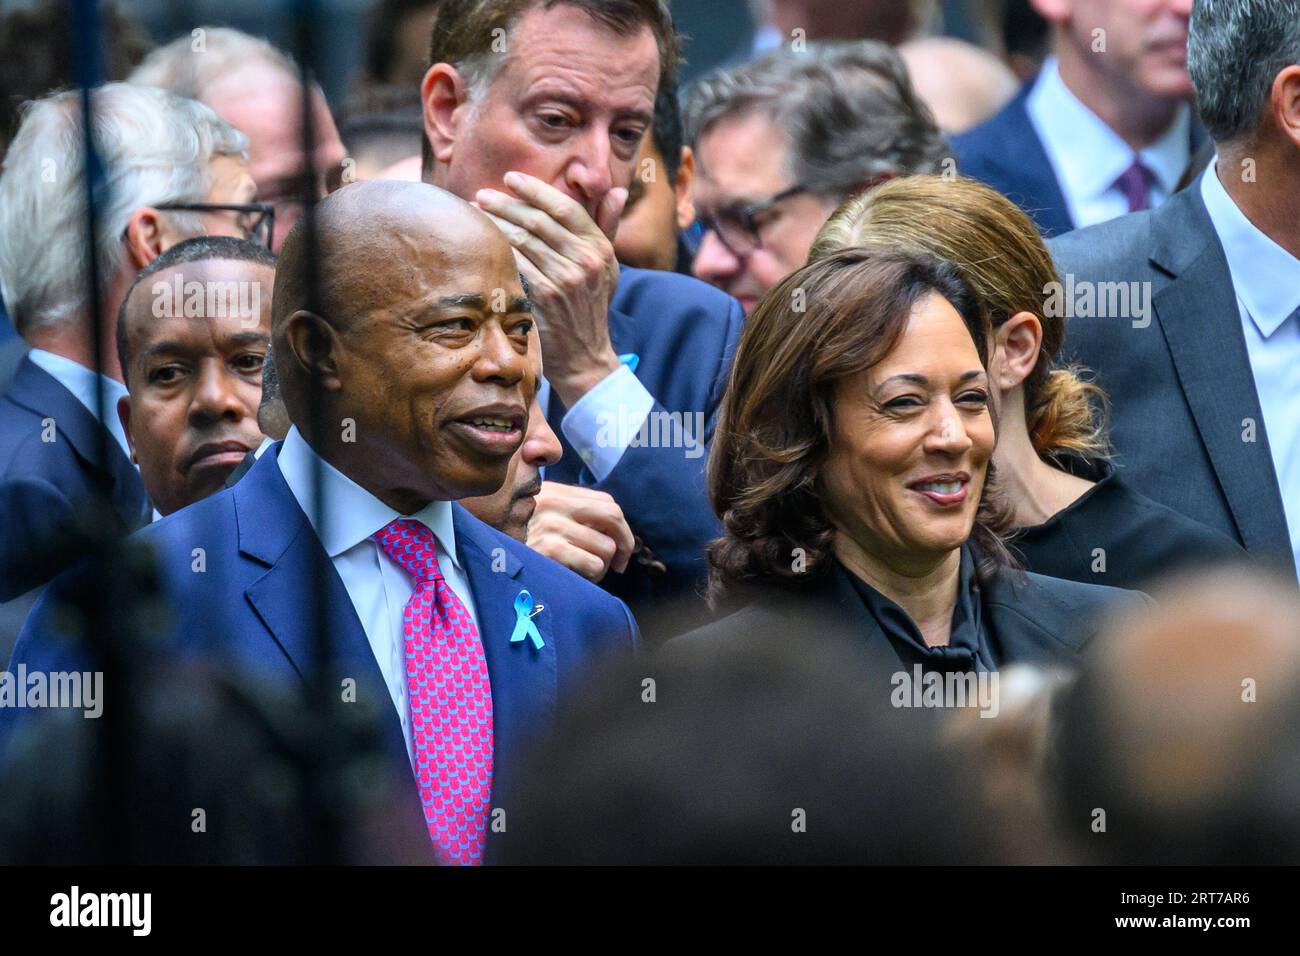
(1017,343)
(442,93)
(1285,99)
(1053,11)
(683,188)
(145,236)
(124,416)
(315,346)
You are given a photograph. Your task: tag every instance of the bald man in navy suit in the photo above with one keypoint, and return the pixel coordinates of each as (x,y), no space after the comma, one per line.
(407,378)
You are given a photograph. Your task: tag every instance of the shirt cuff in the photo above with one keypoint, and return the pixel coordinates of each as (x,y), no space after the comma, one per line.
(601,425)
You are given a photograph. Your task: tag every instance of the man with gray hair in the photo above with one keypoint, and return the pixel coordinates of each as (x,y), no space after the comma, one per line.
(256,88)
(171,170)
(1205,384)
(780,142)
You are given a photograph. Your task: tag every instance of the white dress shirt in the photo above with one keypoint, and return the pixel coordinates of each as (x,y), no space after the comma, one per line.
(80,381)
(378,586)
(1088,156)
(601,425)
(1266,280)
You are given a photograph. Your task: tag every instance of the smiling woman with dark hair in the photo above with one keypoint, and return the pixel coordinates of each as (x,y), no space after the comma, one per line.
(852,470)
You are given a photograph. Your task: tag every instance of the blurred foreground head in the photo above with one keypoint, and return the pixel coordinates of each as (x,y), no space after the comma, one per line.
(762,754)
(1179,744)
(257,89)
(203,764)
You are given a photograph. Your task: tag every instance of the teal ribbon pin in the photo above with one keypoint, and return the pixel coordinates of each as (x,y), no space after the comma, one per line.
(525,610)
(631,360)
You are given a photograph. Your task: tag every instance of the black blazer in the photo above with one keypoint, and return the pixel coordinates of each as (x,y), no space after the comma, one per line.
(1028,618)
(1142,539)
(1179,379)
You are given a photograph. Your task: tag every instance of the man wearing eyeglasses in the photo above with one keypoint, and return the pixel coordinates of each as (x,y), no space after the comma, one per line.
(172,170)
(782,141)
(255,88)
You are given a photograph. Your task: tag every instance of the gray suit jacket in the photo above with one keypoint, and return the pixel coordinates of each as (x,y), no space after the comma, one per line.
(1185,416)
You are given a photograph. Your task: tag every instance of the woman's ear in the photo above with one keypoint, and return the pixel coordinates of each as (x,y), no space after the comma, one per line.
(1017,343)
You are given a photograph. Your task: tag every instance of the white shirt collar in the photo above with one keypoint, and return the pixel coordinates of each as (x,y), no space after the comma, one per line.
(1088,155)
(80,381)
(1265,276)
(353,514)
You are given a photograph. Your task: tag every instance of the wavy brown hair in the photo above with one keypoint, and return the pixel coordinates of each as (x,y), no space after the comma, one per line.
(828,321)
(1003,258)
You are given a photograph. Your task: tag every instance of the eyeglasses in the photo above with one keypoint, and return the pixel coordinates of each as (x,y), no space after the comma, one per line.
(257,219)
(737,227)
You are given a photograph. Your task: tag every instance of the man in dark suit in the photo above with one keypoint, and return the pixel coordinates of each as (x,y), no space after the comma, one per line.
(635,360)
(65,477)
(1191,314)
(341,552)
(1105,128)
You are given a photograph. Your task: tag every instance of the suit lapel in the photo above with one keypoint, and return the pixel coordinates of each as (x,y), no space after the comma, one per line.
(523,677)
(1026,620)
(1027,171)
(1042,190)
(1201,321)
(274,531)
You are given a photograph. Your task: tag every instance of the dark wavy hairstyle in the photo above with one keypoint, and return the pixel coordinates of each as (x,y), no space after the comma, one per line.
(827,321)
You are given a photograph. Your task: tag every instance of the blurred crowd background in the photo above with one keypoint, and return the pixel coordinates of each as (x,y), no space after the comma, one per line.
(1172,741)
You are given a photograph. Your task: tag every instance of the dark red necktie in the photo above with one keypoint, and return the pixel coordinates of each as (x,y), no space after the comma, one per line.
(1135,183)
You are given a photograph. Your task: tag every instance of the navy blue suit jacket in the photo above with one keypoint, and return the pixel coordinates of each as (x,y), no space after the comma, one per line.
(1182,393)
(683,333)
(51,489)
(6,327)
(252,610)
(1005,152)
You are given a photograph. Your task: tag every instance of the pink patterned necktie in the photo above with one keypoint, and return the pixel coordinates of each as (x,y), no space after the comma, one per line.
(449,696)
